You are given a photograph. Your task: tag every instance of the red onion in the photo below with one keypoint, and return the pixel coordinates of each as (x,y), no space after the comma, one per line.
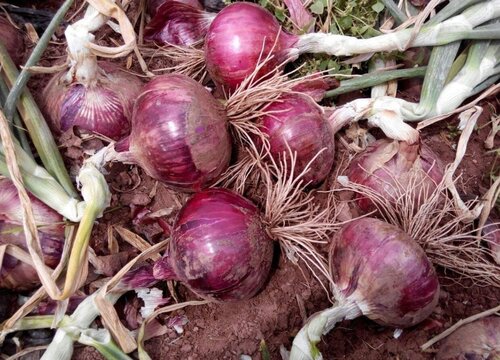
(101,105)
(179,133)
(178,23)
(220,248)
(295,121)
(12,40)
(18,275)
(153,5)
(379,272)
(477,340)
(390,168)
(240,35)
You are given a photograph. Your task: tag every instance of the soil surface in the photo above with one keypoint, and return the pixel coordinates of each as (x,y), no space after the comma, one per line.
(273,317)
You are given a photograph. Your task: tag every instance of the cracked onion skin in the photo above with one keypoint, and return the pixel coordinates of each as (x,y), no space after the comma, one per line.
(103,106)
(297,123)
(220,248)
(385,272)
(385,163)
(232,52)
(180,133)
(479,340)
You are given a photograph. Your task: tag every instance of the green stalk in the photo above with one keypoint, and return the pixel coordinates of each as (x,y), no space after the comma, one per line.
(35,322)
(37,127)
(22,79)
(453,8)
(440,63)
(101,340)
(373,79)
(485,84)
(16,123)
(457,65)
(398,15)
(42,185)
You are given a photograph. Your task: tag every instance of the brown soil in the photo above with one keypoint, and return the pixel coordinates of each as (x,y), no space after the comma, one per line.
(229,330)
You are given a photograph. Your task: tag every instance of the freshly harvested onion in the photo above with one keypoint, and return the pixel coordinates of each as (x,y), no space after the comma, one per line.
(16,274)
(392,168)
(477,340)
(379,272)
(178,23)
(296,122)
(179,133)
(101,105)
(12,40)
(220,248)
(153,5)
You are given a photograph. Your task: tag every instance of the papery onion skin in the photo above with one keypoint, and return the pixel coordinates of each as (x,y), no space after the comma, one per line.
(475,341)
(235,43)
(18,275)
(297,123)
(178,23)
(385,272)
(102,107)
(180,133)
(220,248)
(12,40)
(376,169)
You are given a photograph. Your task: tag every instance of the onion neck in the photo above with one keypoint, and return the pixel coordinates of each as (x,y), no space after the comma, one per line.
(304,344)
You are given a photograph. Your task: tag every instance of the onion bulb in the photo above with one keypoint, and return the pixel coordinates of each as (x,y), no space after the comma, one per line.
(219,248)
(101,104)
(477,340)
(393,168)
(153,5)
(296,122)
(12,40)
(178,23)
(16,274)
(379,272)
(179,133)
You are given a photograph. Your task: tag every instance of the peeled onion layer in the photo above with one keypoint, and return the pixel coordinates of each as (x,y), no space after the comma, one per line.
(18,275)
(12,40)
(295,122)
(394,169)
(219,247)
(103,106)
(178,23)
(179,133)
(231,55)
(477,340)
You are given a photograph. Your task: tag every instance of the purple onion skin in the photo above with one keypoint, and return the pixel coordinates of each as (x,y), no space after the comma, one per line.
(298,121)
(381,267)
(154,5)
(219,248)
(12,40)
(18,275)
(238,36)
(102,108)
(475,341)
(180,133)
(374,169)
(178,23)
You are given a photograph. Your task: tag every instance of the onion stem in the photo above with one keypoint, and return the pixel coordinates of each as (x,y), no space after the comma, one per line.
(398,15)
(22,79)
(453,29)
(101,340)
(38,129)
(375,78)
(453,7)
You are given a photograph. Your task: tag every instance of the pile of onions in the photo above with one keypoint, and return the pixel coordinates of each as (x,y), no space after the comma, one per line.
(93,97)
(12,40)
(477,340)
(242,33)
(379,272)
(177,22)
(16,274)
(179,134)
(393,169)
(220,247)
(98,103)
